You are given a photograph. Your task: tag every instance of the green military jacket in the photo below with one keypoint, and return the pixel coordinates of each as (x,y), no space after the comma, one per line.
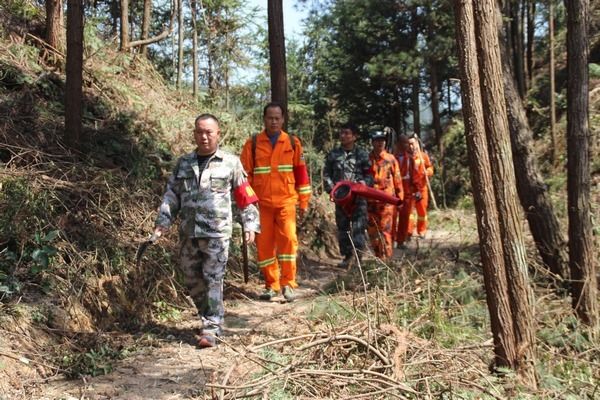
(204,203)
(342,165)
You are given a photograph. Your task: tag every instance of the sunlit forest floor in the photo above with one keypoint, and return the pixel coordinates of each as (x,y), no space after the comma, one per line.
(78,319)
(414,328)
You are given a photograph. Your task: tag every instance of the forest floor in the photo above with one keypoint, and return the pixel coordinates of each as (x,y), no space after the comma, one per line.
(167,365)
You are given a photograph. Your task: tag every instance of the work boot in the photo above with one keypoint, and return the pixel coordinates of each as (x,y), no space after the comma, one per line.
(206,340)
(267,295)
(346,262)
(288,294)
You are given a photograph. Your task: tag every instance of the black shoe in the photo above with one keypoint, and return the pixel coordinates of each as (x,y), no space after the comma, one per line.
(346,262)
(267,295)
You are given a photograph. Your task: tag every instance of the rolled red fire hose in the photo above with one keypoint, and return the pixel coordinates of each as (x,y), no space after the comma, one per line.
(344,194)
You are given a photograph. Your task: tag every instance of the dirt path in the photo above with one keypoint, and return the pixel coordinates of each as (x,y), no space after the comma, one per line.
(169,366)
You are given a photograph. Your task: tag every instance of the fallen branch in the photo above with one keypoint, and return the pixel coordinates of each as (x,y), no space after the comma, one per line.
(382,357)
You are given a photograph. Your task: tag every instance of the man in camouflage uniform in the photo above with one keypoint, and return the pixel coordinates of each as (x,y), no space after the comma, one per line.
(200,191)
(349,163)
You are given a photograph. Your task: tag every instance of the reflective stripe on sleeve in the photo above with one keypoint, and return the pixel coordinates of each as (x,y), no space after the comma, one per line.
(262,170)
(285,168)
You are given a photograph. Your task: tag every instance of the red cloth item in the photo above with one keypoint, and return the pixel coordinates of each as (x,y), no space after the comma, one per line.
(244,195)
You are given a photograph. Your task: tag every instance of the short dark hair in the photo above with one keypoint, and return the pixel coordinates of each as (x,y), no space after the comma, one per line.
(413,135)
(205,116)
(351,126)
(274,104)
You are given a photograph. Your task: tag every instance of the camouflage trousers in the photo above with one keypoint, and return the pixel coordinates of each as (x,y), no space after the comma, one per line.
(202,263)
(356,224)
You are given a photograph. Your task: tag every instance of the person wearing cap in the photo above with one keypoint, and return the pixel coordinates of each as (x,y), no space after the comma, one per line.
(386,177)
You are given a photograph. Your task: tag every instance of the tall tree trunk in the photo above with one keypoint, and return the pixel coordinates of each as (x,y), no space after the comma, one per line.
(523,18)
(552,82)
(534,197)
(279,90)
(180,44)
(115,15)
(490,241)
(435,102)
(416,106)
(517,48)
(520,294)
(530,39)
(163,35)
(194,48)
(212,86)
(124,25)
(146,17)
(416,81)
(74,74)
(581,246)
(54,24)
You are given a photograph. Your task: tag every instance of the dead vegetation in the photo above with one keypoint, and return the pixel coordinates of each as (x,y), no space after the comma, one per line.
(73,306)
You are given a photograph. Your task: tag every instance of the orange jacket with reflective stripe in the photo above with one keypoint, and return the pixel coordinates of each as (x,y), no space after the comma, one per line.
(386,174)
(421,167)
(277,174)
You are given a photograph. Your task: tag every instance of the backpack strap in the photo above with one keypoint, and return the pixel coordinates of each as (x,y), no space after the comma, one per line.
(254,137)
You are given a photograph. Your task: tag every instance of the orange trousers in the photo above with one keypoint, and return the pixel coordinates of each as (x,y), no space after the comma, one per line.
(379,228)
(277,245)
(406,222)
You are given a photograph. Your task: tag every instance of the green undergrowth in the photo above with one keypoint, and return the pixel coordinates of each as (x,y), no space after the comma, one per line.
(441,301)
(71,220)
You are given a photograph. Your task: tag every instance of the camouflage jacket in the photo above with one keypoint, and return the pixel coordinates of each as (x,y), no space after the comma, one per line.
(204,202)
(346,166)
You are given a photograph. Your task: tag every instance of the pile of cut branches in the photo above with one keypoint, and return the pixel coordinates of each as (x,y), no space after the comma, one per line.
(354,362)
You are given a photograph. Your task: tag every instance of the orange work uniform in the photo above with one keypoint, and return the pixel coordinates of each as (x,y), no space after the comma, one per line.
(415,169)
(278,175)
(386,177)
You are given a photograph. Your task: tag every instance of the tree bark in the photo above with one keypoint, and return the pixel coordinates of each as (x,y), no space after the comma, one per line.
(180,43)
(517,46)
(124,25)
(54,24)
(488,227)
(146,17)
(435,102)
(530,39)
(194,49)
(416,106)
(552,82)
(115,15)
(584,287)
(496,124)
(533,194)
(74,74)
(279,90)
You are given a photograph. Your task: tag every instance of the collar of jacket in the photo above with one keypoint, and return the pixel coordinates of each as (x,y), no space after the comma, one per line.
(282,135)
(218,154)
(379,156)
